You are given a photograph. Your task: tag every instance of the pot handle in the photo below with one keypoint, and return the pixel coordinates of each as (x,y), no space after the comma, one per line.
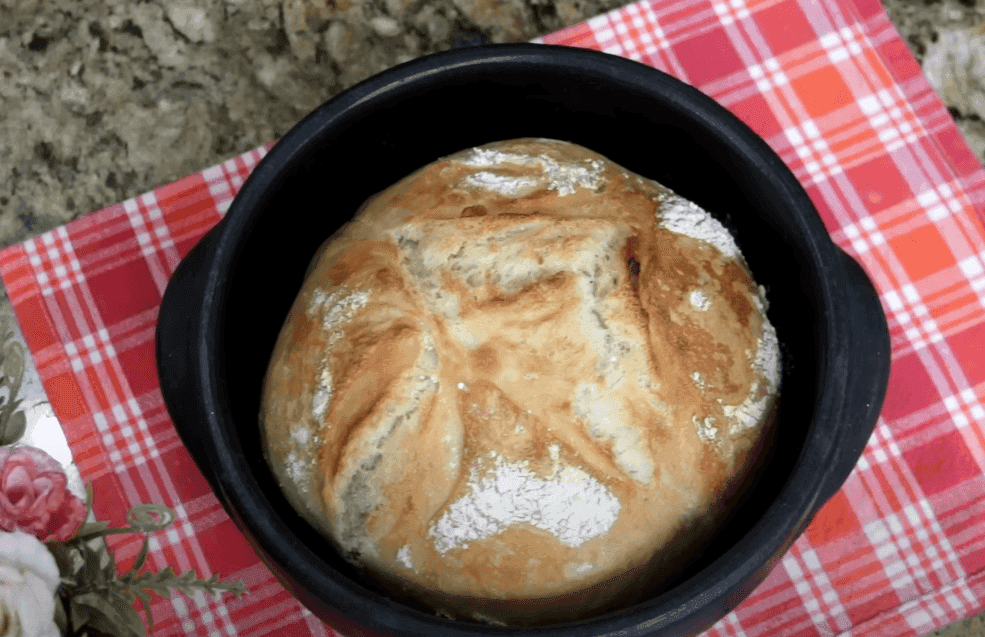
(177,333)
(866,372)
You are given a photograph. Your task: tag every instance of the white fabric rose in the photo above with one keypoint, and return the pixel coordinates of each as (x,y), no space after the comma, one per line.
(28,580)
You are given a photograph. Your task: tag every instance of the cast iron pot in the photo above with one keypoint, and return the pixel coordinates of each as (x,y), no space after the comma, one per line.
(227,300)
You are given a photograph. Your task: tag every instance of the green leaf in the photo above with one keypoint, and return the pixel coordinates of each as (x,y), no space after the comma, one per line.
(93,573)
(142,555)
(13,361)
(61,618)
(13,367)
(108,564)
(79,615)
(159,583)
(68,559)
(163,581)
(145,602)
(14,405)
(111,613)
(13,429)
(12,422)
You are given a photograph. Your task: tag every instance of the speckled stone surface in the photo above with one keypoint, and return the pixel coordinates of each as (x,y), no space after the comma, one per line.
(948,39)
(101,100)
(920,22)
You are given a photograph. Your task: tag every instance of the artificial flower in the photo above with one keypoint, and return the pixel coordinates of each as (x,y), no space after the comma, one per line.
(28,582)
(34,495)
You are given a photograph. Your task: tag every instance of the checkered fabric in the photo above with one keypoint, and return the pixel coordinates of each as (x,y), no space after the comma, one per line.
(900,550)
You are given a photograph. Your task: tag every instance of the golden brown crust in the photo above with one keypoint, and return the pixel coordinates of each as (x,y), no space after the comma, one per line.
(502,334)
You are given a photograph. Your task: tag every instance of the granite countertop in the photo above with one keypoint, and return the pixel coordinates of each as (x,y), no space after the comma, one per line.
(102,100)
(948,39)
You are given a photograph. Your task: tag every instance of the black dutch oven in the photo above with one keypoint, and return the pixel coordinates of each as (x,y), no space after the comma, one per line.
(227,300)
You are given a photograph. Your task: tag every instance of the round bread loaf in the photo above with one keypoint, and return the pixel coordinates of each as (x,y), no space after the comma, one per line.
(522,384)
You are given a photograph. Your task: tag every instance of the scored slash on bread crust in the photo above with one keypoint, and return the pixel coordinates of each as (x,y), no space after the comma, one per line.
(519,374)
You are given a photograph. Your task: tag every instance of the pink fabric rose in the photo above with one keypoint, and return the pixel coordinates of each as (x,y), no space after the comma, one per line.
(34,495)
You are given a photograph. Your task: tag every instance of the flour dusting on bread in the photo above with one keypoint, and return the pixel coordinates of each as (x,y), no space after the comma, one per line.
(564,177)
(570,504)
(336,310)
(685,217)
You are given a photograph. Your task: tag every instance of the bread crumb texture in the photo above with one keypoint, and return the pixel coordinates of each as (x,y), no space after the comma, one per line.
(519,373)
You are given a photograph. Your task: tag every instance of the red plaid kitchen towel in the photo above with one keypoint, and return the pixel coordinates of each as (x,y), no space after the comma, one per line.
(900,550)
